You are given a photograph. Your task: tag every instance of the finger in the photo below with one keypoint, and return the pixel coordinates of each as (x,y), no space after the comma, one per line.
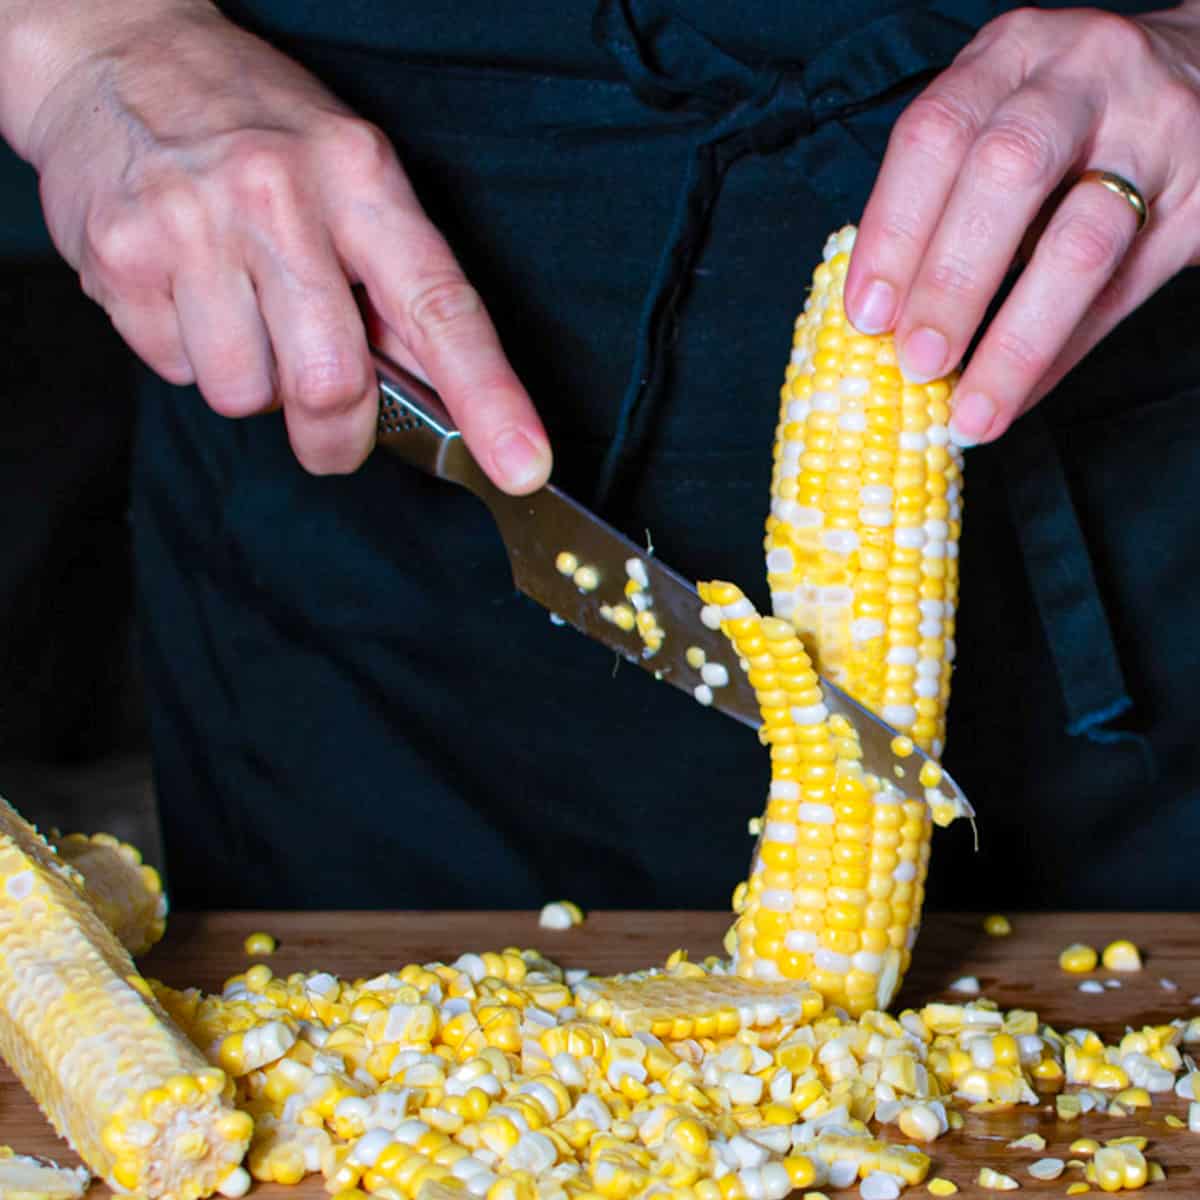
(427,304)
(151,330)
(1155,257)
(1083,245)
(325,379)
(381,335)
(924,156)
(226,340)
(1022,153)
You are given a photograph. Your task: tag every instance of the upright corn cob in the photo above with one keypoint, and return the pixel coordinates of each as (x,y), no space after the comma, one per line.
(126,893)
(861,544)
(81,1029)
(866,510)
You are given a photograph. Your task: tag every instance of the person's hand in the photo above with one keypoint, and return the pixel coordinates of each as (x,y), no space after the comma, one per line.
(221,205)
(988,152)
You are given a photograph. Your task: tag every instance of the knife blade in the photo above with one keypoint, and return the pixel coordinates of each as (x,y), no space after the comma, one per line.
(573,564)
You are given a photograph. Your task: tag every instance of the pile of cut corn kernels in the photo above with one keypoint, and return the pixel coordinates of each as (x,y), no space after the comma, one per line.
(501,1076)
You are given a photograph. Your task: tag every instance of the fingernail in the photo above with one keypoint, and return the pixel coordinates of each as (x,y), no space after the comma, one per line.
(518,461)
(972,418)
(923,355)
(874,313)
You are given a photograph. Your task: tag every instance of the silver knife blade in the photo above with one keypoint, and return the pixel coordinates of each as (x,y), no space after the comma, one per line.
(539,528)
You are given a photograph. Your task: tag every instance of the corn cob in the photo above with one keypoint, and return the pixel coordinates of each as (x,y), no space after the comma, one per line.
(837,879)
(126,893)
(866,511)
(861,545)
(81,1029)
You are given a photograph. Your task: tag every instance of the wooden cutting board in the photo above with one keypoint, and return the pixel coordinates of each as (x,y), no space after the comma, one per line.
(1019,971)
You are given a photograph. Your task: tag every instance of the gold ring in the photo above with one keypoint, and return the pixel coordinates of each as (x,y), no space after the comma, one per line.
(1123,188)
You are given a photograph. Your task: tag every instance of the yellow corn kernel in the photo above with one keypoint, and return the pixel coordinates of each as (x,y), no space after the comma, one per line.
(801,1170)
(1121,956)
(259,944)
(1084,1146)
(1077,1189)
(1107,1076)
(997,925)
(1078,959)
(942,1187)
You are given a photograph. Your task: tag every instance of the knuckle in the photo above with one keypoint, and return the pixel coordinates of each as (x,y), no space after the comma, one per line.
(954,276)
(363,150)
(263,174)
(902,230)
(118,246)
(327,384)
(1113,39)
(1019,23)
(1015,153)
(1019,352)
(181,212)
(937,125)
(442,306)
(1086,245)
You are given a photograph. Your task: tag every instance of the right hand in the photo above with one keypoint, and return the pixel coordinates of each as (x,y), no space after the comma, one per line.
(220,204)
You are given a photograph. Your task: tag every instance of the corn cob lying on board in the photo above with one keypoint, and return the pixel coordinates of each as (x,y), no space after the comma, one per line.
(82,1030)
(127,894)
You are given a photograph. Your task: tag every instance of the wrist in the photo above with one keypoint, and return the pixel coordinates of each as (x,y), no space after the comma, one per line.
(44,42)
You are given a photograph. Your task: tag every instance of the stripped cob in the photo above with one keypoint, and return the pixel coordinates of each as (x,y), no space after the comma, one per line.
(126,893)
(81,1029)
(866,511)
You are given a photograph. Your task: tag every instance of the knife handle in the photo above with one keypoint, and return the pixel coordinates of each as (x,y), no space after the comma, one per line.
(415,426)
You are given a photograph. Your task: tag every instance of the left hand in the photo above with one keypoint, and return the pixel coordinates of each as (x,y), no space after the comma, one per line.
(980,158)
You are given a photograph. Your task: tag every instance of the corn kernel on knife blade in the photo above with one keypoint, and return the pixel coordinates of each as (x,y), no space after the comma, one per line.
(415,426)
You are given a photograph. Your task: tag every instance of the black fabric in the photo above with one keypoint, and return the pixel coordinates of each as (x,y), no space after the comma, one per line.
(66,425)
(350,704)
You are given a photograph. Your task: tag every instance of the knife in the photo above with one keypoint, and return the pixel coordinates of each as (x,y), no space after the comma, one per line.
(576,566)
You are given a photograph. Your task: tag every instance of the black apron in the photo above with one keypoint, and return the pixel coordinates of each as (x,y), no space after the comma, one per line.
(352,707)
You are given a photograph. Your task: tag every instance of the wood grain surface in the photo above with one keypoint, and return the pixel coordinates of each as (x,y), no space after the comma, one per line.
(1019,971)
